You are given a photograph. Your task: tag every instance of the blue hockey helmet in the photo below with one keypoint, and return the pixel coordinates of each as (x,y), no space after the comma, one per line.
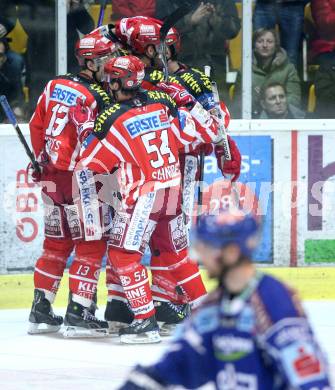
(226,228)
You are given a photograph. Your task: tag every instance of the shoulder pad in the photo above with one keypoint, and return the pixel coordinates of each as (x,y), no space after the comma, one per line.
(195,81)
(106,118)
(279,301)
(164,98)
(67,76)
(100,95)
(153,76)
(174,79)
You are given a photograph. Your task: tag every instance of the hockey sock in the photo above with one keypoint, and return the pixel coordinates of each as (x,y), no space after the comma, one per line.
(114,286)
(135,281)
(83,280)
(186,273)
(50,266)
(164,284)
(84,271)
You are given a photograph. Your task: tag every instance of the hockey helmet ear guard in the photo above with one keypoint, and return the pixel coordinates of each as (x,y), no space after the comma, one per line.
(127,70)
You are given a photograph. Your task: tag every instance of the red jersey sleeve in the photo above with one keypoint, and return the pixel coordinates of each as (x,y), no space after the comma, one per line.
(98,155)
(36,124)
(195,128)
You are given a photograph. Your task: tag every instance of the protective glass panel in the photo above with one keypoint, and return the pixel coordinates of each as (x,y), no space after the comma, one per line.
(27,52)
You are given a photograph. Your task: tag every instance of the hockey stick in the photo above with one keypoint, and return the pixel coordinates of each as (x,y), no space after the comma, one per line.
(103,4)
(224,141)
(169,22)
(11,117)
(202,163)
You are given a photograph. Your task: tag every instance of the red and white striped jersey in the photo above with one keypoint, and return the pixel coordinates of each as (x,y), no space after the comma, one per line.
(143,137)
(50,129)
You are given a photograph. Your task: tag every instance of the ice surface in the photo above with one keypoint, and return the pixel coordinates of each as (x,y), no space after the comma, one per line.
(52,363)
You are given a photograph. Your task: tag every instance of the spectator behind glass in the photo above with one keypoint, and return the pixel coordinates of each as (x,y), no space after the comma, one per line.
(38,19)
(128,8)
(78,20)
(323,53)
(271,64)
(204,33)
(289,15)
(15,59)
(274,103)
(10,82)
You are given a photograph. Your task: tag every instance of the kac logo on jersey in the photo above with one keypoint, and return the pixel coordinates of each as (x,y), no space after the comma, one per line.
(65,95)
(152,121)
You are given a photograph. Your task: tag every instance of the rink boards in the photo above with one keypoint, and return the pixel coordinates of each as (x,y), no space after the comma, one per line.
(313,283)
(289,165)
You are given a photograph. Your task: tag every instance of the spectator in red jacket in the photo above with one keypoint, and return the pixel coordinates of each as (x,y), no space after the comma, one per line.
(127,8)
(323,53)
(323,47)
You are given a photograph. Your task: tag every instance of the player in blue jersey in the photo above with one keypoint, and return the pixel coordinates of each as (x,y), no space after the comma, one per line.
(251,333)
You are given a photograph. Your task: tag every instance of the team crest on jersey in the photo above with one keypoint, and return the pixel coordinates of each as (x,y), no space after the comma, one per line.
(152,121)
(65,95)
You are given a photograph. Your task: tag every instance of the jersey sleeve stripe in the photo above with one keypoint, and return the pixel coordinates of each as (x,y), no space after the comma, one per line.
(124,142)
(210,135)
(91,156)
(47,95)
(140,184)
(74,156)
(113,150)
(177,133)
(129,173)
(201,137)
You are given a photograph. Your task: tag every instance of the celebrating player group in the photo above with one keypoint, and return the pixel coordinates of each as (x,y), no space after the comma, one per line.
(115,143)
(118,147)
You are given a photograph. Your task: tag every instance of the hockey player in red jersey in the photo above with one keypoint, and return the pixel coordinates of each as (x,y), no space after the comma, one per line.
(142,134)
(141,34)
(71,222)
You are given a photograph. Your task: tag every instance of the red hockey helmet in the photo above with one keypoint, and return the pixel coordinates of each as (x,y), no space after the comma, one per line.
(138,32)
(95,47)
(128,70)
(141,31)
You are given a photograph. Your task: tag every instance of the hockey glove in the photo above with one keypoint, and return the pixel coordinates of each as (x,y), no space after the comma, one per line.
(43,162)
(83,118)
(178,93)
(206,149)
(229,167)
